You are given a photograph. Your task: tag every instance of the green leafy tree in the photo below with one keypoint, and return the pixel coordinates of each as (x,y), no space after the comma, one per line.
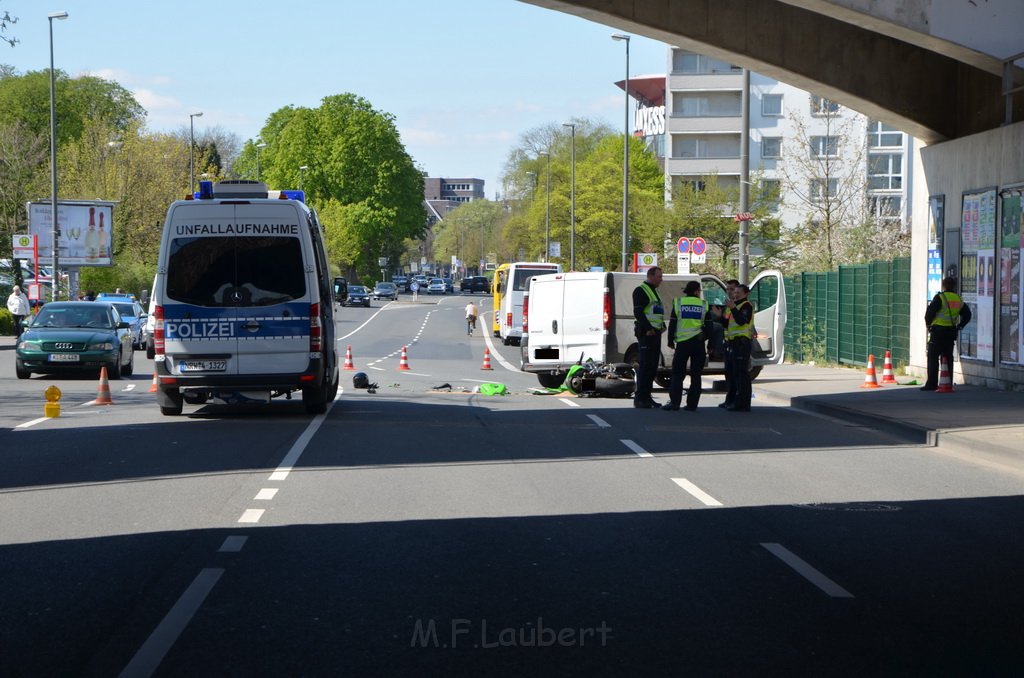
(5,22)
(470,231)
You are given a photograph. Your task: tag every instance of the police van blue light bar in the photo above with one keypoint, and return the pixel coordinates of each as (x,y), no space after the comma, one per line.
(292,194)
(205,190)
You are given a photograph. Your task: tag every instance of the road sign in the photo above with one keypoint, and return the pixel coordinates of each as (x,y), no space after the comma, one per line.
(642,261)
(744,216)
(699,250)
(22,246)
(683,263)
(683,245)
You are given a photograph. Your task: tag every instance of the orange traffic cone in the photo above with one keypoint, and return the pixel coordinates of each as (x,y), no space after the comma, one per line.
(487,360)
(348,358)
(103,392)
(152,388)
(870,381)
(945,377)
(887,376)
(403,363)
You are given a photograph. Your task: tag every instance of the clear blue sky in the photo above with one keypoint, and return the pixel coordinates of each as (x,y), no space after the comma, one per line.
(463,78)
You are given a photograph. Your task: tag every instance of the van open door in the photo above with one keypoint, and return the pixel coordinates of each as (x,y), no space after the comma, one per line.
(768,294)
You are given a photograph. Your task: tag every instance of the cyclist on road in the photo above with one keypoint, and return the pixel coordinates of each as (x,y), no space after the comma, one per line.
(471,314)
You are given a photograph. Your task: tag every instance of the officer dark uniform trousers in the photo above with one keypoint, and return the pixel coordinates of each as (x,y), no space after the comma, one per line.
(946,315)
(738,335)
(650,317)
(686,333)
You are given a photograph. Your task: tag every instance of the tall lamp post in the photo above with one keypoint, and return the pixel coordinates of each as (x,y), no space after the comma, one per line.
(55,230)
(258,147)
(625,160)
(572,199)
(192,150)
(302,174)
(547,210)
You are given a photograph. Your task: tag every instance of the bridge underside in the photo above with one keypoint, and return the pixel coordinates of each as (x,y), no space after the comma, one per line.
(929,88)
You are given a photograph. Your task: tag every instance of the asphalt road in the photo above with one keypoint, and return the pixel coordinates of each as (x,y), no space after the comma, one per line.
(451,533)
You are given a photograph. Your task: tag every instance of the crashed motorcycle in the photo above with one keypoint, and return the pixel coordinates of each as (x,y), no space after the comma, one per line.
(594,379)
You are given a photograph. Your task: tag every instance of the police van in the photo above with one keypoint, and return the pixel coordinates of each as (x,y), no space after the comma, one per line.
(242,301)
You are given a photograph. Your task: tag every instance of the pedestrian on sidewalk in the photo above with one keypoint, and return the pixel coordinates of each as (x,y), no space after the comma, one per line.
(946,315)
(649,314)
(738,335)
(17,304)
(686,332)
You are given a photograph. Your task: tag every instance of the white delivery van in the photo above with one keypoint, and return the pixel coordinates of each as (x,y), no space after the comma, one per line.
(242,301)
(589,315)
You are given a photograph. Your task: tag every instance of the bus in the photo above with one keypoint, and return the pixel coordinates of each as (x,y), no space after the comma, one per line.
(508,286)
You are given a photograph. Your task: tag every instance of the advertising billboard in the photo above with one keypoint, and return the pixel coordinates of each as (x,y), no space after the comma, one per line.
(86,231)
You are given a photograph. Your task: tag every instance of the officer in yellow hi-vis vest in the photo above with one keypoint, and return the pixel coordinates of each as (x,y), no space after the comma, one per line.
(687,328)
(649,314)
(738,335)
(946,315)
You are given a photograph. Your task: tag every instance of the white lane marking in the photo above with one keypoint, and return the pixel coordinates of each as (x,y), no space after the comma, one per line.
(806,571)
(569,402)
(640,452)
(34,421)
(286,465)
(599,421)
(152,652)
(129,387)
(497,356)
(361,326)
(379,369)
(774,431)
(251,515)
(232,544)
(701,496)
(266,494)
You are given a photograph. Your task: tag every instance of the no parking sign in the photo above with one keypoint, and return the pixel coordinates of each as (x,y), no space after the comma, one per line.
(699,250)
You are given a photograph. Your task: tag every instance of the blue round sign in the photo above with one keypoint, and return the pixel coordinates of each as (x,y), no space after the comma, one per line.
(699,246)
(683,245)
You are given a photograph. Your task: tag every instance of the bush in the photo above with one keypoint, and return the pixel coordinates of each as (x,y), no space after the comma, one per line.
(6,322)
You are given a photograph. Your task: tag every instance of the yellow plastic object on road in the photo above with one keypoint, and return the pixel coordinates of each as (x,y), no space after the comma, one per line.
(52,406)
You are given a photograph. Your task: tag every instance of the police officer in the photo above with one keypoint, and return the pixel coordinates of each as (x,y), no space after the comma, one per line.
(721,346)
(686,331)
(649,314)
(738,334)
(946,315)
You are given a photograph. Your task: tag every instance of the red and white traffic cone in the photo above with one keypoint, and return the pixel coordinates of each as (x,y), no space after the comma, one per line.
(887,376)
(403,363)
(945,377)
(103,392)
(870,381)
(348,358)
(487,360)
(153,386)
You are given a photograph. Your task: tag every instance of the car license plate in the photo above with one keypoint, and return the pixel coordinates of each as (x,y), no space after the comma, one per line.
(65,358)
(202,365)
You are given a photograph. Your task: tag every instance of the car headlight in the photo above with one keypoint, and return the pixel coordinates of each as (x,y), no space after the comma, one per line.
(28,345)
(102,346)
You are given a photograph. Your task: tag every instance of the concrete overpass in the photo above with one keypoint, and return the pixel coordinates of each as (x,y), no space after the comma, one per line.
(932,68)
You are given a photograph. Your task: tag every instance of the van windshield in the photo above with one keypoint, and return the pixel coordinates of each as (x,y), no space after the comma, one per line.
(521,283)
(235,271)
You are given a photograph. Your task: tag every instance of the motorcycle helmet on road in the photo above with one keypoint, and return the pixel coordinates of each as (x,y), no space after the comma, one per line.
(360,380)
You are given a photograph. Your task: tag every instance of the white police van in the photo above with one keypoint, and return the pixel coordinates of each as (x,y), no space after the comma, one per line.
(243,306)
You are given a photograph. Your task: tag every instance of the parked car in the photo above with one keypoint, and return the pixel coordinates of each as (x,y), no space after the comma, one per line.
(475,283)
(75,337)
(449,286)
(436,286)
(357,296)
(131,312)
(115,296)
(385,290)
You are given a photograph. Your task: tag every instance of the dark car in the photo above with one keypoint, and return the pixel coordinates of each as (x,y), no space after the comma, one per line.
(75,337)
(357,296)
(401,282)
(475,283)
(385,290)
(449,286)
(132,313)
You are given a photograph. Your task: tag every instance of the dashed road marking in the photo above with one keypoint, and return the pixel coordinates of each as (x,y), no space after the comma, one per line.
(569,402)
(806,571)
(266,494)
(701,496)
(251,515)
(286,465)
(33,422)
(601,423)
(640,452)
(232,544)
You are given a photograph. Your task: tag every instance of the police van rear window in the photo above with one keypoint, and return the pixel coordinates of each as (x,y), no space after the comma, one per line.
(236,271)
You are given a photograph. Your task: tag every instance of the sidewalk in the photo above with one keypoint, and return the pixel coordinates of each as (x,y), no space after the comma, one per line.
(974,422)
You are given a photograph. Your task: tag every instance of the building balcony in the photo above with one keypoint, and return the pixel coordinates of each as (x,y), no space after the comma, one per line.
(690,124)
(702,166)
(708,81)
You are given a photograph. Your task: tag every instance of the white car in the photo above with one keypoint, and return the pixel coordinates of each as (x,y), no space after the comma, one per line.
(437,286)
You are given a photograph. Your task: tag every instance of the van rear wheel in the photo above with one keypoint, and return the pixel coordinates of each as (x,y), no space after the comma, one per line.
(170,401)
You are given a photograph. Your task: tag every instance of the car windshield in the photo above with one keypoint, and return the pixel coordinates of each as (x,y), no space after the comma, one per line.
(68,316)
(436,281)
(385,285)
(125,310)
(356,289)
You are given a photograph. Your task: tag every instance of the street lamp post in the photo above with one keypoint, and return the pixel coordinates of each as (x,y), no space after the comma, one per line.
(192,150)
(258,147)
(547,210)
(572,199)
(625,160)
(55,227)
(302,174)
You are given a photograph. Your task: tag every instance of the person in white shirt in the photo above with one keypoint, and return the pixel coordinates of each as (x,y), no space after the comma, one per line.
(471,314)
(17,304)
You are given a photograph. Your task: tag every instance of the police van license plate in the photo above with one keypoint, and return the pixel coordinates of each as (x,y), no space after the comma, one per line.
(202,365)
(65,358)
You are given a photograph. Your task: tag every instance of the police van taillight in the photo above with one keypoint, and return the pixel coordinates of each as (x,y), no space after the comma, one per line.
(158,332)
(316,337)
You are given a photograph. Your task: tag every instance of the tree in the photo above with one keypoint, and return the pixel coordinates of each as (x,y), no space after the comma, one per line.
(5,21)
(23,177)
(470,231)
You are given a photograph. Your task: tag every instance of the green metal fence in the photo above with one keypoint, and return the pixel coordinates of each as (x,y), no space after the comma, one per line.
(842,316)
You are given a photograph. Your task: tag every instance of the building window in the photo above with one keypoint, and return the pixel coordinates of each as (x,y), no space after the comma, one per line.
(770,193)
(771,147)
(882,135)
(687,183)
(771,105)
(885,171)
(825,147)
(818,189)
(822,106)
(886,207)
(695,64)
